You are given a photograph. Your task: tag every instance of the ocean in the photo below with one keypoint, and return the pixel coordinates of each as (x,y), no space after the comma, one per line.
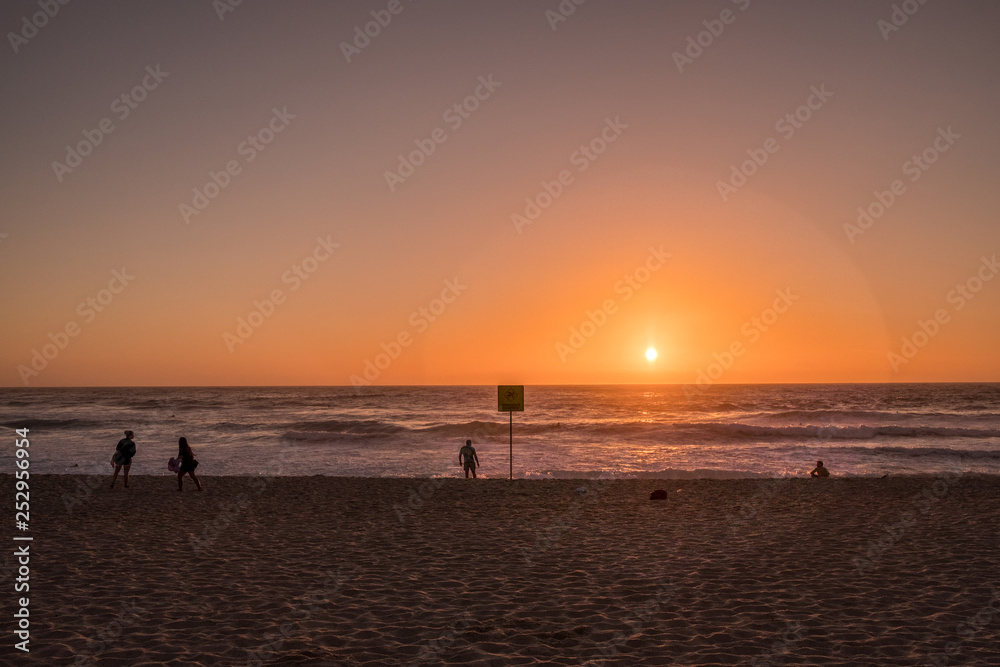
(565,431)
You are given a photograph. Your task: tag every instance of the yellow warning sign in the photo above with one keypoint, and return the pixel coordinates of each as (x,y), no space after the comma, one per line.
(510,398)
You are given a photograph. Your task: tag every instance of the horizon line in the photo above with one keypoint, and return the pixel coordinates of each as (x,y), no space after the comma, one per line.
(385,386)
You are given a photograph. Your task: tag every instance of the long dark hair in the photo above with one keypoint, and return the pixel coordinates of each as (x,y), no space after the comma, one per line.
(183,447)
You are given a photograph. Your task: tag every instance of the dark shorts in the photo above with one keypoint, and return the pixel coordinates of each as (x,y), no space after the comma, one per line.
(189,466)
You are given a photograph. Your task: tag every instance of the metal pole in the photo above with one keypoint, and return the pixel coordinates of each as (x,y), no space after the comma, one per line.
(511,413)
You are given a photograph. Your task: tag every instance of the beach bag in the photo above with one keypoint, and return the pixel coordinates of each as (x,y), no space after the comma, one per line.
(123,454)
(174,465)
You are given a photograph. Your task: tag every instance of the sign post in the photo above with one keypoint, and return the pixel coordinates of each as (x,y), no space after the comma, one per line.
(510,399)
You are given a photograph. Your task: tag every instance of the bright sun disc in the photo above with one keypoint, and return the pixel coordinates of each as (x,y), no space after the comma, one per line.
(651,354)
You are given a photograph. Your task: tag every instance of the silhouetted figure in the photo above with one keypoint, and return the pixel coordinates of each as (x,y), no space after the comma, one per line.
(467,457)
(188,464)
(819,470)
(122,457)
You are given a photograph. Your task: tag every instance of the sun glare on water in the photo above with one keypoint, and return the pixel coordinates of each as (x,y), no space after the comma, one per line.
(651,354)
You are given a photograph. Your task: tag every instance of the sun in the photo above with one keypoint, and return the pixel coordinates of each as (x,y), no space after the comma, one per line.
(651,354)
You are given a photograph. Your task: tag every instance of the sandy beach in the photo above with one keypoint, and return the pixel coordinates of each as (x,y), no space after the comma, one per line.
(361,571)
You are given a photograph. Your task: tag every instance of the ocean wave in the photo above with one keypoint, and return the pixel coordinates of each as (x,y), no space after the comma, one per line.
(480,429)
(740,430)
(362,427)
(724,406)
(320,438)
(16,403)
(668,473)
(376,428)
(872,415)
(919,452)
(226,427)
(173,404)
(861,432)
(787,415)
(53,424)
(150,403)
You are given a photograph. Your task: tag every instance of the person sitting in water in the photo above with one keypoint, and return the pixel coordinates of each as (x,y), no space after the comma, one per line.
(819,470)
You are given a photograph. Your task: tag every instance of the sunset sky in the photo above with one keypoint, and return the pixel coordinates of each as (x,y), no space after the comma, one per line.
(632,126)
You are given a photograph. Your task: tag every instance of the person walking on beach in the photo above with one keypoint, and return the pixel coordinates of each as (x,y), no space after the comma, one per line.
(122,457)
(188,464)
(819,470)
(468,453)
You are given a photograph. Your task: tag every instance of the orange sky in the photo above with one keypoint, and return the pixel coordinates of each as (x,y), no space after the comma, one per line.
(307,208)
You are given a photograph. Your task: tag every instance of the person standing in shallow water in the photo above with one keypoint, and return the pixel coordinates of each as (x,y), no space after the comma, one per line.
(122,457)
(468,453)
(188,464)
(819,470)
